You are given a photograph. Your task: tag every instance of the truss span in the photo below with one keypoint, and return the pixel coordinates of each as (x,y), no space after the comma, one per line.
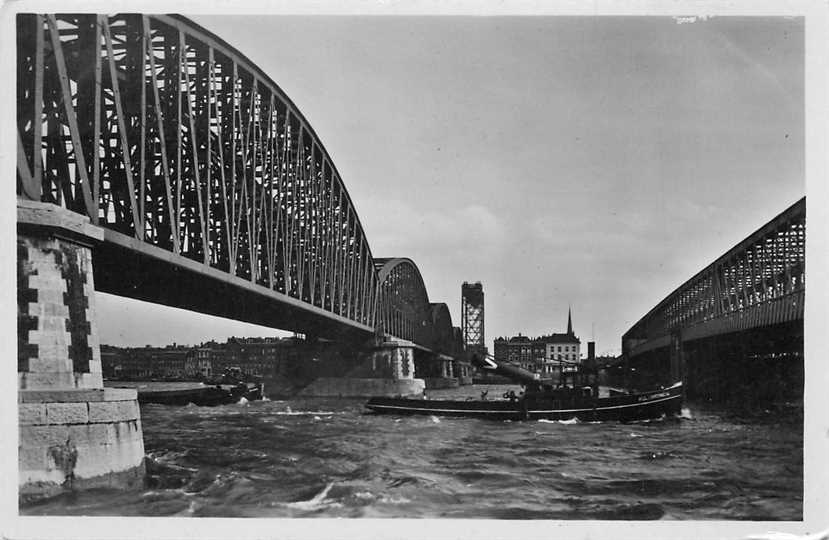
(760,282)
(193,160)
(404,308)
(444,337)
(403,303)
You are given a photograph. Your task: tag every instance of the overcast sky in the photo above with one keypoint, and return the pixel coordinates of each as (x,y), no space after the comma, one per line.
(592,162)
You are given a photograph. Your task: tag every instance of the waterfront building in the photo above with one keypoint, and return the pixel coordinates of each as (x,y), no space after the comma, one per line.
(563,347)
(267,357)
(517,350)
(110,357)
(167,363)
(545,354)
(198,365)
(255,357)
(144,362)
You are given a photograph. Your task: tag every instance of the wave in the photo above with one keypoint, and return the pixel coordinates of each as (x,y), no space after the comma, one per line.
(656,454)
(268,469)
(571,421)
(304,413)
(317,502)
(189,511)
(662,418)
(393,500)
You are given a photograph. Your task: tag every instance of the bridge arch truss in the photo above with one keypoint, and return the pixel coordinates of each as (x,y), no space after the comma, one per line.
(404,309)
(178,145)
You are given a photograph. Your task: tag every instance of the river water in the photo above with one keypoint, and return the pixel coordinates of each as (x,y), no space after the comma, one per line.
(329,458)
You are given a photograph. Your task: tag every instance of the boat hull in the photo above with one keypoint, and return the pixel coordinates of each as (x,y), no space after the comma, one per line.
(626,408)
(207,396)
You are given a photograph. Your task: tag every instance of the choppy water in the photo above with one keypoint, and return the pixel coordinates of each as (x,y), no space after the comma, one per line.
(327,458)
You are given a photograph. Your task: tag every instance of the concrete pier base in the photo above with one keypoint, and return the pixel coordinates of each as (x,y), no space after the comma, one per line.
(385,369)
(441,371)
(73,432)
(463,371)
(78,439)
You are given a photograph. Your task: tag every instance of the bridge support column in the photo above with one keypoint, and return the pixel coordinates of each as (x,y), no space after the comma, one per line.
(73,432)
(462,372)
(402,360)
(436,370)
(677,359)
(385,369)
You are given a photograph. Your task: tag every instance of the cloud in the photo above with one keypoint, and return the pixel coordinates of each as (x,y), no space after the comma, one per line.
(402,228)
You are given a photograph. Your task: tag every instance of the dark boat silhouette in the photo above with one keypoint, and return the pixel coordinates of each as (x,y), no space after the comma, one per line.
(231,387)
(542,399)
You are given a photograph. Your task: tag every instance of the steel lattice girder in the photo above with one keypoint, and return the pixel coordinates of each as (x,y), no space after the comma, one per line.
(759,282)
(199,168)
(472,315)
(404,308)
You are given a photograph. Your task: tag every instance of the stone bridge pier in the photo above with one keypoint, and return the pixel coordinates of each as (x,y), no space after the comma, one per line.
(463,371)
(385,368)
(437,370)
(73,433)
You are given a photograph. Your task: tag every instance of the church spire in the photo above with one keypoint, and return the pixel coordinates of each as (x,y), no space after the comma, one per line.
(569,322)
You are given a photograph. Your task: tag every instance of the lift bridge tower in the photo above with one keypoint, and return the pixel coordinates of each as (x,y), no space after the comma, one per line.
(472,317)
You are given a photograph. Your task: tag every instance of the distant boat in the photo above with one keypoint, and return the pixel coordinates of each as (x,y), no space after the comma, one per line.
(206,396)
(220,392)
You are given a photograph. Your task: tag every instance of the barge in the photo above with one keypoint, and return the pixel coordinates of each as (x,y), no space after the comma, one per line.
(542,399)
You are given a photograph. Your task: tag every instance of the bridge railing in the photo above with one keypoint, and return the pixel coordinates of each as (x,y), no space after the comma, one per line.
(760,281)
(159,131)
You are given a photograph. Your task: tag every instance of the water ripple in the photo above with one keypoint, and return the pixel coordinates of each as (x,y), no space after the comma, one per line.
(311,458)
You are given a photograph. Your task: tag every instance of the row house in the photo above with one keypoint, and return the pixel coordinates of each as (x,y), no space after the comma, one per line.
(545,355)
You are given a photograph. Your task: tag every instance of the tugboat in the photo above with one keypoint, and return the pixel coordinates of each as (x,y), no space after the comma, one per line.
(542,399)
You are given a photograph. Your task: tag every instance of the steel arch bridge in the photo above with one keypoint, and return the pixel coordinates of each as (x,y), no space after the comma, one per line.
(406,309)
(745,307)
(214,191)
